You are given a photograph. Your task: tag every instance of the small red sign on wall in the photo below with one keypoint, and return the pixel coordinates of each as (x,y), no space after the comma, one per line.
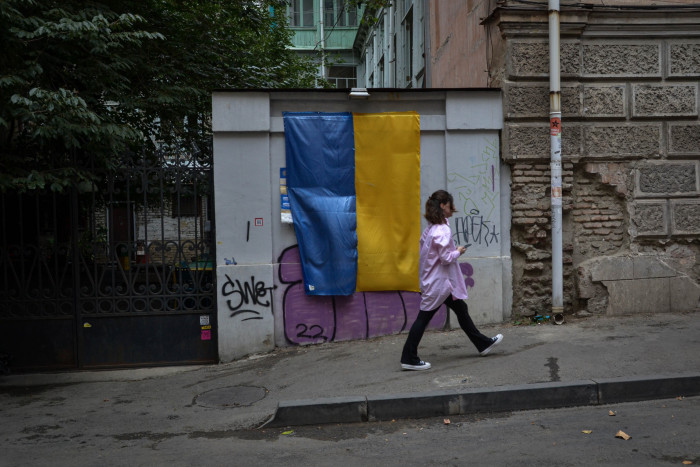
(555,126)
(258,222)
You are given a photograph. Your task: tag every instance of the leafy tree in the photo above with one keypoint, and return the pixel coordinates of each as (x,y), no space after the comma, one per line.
(83,82)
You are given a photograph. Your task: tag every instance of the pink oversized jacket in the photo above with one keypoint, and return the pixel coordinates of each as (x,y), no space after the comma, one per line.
(440,274)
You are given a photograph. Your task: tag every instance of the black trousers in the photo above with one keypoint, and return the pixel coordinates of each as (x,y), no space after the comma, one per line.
(410,348)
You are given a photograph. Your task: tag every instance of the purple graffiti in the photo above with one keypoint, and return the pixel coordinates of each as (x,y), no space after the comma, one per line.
(314,319)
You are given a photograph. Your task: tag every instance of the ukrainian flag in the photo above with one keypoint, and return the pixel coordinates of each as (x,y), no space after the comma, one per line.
(354,187)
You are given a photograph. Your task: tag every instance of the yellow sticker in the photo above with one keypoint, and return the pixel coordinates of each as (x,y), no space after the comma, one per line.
(87,325)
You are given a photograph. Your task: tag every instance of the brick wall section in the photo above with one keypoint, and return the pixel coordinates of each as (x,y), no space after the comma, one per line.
(599,213)
(531,219)
(630,144)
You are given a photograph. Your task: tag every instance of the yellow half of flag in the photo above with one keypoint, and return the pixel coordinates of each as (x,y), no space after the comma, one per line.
(387,185)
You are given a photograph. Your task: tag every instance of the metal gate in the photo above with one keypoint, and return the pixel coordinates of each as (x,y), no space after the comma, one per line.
(118,272)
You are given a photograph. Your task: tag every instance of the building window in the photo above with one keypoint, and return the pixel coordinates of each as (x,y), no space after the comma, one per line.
(301,13)
(381,73)
(339,13)
(344,77)
(408,48)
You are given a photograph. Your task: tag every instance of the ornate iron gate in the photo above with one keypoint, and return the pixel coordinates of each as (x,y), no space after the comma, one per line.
(115,273)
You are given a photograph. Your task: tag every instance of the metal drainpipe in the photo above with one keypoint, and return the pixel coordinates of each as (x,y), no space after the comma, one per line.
(555,162)
(323,40)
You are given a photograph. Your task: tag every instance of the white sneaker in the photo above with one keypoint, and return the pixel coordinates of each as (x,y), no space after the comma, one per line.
(494,342)
(421,366)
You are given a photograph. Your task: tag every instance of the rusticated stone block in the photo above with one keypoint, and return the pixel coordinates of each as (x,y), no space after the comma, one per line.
(614,60)
(649,218)
(685,294)
(533,101)
(686,217)
(613,268)
(667,178)
(628,141)
(664,100)
(527,142)
(570,102)
(651,267)
(638,296)
(532,142)
(684,138)
(532,59)
(527,101)
(684,59)
(604,101)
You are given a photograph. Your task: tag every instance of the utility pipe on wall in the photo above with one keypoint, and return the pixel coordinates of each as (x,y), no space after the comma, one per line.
(555,162)
(323,39)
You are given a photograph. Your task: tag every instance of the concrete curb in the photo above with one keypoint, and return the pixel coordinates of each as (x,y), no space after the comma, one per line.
(484,400)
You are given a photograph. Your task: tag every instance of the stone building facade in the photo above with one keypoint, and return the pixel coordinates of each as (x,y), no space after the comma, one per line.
(630,150)
(630,141)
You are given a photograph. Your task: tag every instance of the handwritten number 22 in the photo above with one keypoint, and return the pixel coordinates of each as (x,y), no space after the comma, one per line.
(306,331)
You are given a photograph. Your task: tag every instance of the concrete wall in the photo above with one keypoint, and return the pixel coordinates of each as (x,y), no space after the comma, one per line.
(455,33)
(261,300)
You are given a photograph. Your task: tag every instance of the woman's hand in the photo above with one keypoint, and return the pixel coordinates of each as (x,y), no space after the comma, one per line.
(461,250)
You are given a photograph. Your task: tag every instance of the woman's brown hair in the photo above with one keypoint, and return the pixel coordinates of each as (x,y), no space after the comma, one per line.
(433,211)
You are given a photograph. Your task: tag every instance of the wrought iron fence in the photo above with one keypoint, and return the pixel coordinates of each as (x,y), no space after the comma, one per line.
(137,241)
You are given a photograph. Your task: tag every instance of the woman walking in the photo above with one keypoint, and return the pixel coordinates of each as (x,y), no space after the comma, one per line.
(441,281)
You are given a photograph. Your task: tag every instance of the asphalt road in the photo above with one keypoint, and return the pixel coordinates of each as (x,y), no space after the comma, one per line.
(662,432)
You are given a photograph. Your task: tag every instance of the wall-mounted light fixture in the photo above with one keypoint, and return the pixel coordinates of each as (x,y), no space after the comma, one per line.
(359,93)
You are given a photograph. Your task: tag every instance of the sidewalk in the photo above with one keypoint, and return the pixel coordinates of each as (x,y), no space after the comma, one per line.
(593,360)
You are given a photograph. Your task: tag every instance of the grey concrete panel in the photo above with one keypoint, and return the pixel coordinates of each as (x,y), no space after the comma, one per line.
(630,389)
(473,178)
(248,111)
(432,166)
(486,295)
(473,111)
(243,202)
(245,303)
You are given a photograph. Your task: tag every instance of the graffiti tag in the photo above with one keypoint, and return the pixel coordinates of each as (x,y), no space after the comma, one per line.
(475,229)
(247,293)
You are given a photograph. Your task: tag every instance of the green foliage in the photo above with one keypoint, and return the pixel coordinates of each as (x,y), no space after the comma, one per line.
(83,82)
(372,7)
